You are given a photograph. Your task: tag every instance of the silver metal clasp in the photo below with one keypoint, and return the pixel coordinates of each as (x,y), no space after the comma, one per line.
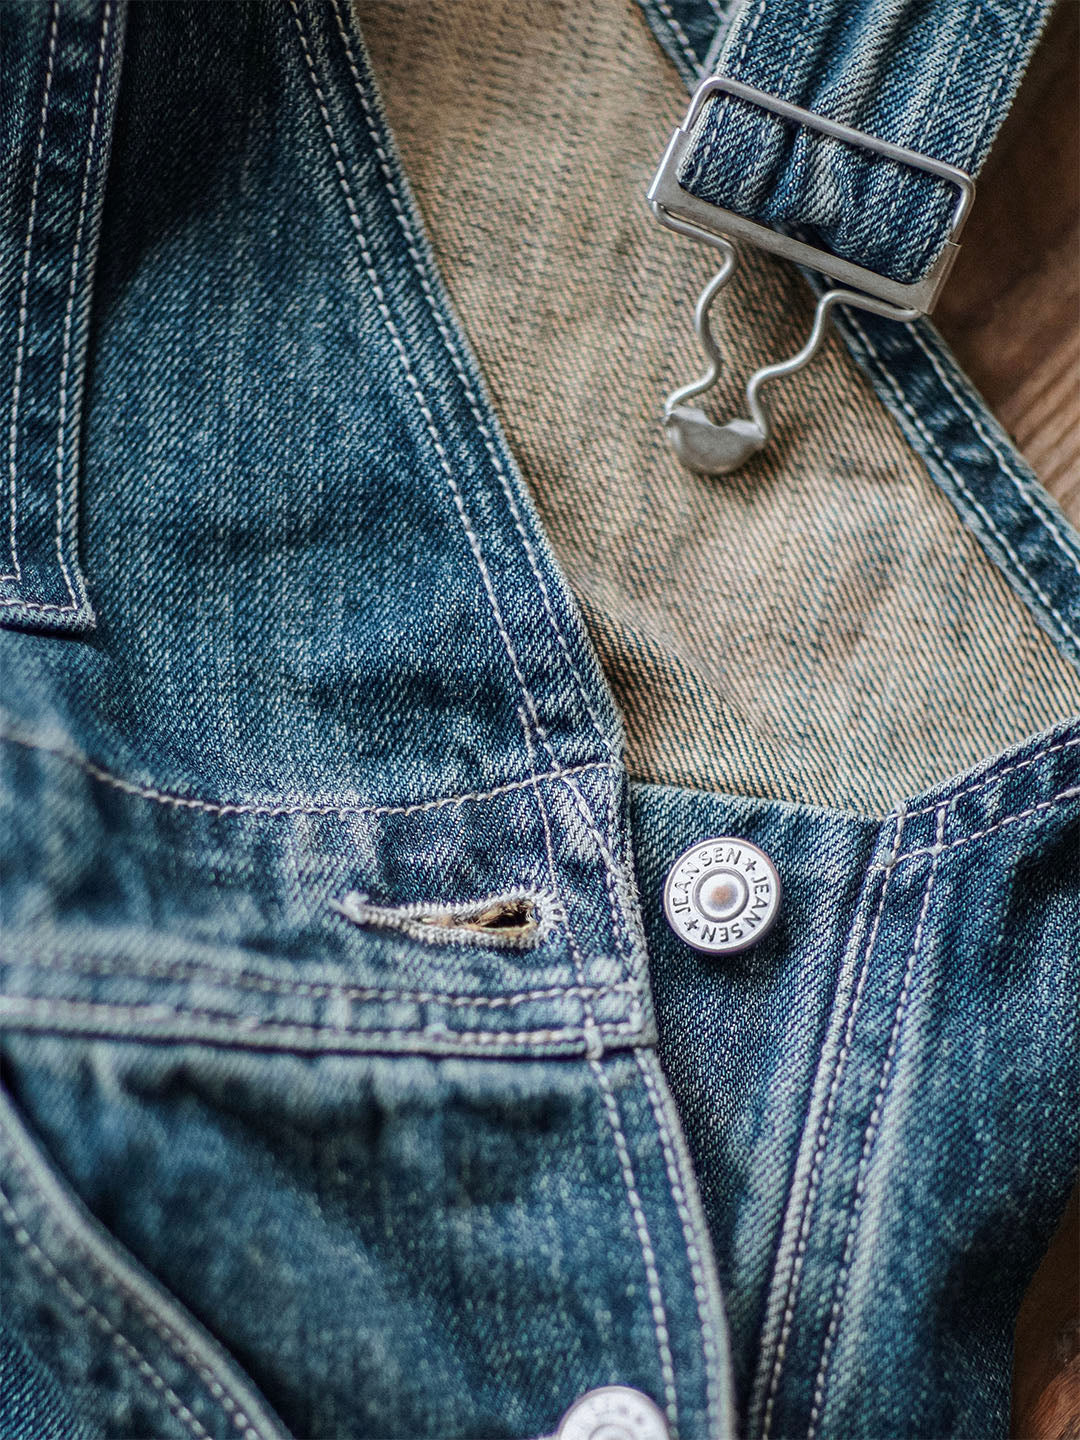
(718,449)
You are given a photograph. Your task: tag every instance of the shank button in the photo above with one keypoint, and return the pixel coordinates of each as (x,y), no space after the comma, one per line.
(722,895)
(614,1412)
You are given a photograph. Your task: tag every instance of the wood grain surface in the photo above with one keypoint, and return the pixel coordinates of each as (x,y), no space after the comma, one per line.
(1011,312)
(1011,309)
(1046,1370)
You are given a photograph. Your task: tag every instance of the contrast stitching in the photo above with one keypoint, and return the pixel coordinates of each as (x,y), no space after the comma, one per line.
(69,313)
(247,980)
(1058,799)
(473,540)
(749,33)
(1000,775)
(418,394)
(451,349)
(807,1206)
(779,88)
(607,860)
(24,293)
(593,1049)
(593,1044)
(18,1006)
(65,360)
(633,951)
(82,1306)
(901,185)
(681,37)
(709,1341)
(435,923)
(163,1330)
(1046,518)
(648,1255)
(871,1135)
(1004,71)
(942,92)
(1021,570)
(305,807)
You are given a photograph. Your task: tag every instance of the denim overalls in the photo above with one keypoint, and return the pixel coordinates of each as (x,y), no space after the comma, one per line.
(355,1083)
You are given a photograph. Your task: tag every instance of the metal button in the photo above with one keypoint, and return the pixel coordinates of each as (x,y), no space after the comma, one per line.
(722,895)
(614,1412)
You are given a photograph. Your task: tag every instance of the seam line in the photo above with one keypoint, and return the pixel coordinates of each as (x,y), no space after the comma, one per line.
(82,1306)
(998,775)
(870,1138)
(248,980)
(610,867)
(451,349)
(459,368)
(412,381)
(806,1208)
(114,1282)
(65,360)
(1004,70)
(24,294)
(648,1254)
(593,1043)
(980,428)
(472,538)
(1059,799)
(709,1345)
(16,1007)
(680,35)
(69,315)
(274,808)
(1020,570)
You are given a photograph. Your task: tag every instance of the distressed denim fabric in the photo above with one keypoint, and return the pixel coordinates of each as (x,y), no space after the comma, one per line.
(881,1096)
(336,708)
(333,1104)
(48,245)
(936,79)
(30,1401)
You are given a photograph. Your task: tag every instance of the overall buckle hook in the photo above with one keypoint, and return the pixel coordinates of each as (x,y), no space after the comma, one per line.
(712,449)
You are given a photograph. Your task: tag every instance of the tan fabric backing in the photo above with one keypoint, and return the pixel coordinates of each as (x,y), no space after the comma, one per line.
(817,628)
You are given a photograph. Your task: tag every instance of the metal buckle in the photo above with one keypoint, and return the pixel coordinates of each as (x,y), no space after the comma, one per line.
(712,449)
(670,202)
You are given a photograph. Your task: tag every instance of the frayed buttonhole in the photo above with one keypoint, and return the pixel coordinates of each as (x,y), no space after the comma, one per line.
(518,919)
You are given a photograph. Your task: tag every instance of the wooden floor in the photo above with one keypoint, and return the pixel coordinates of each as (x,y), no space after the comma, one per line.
(1046,1373)
(1011,311)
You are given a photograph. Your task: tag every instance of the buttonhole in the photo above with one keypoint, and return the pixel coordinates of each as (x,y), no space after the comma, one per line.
(518,919)
(512,918)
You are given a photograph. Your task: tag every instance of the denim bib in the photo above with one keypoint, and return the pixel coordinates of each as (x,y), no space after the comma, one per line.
(354,1082)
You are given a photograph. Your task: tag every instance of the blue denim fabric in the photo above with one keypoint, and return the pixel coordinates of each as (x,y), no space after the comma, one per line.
(290,1142)
(935,78)
(971,457)
(31,1404)
(880,1097)
(389,1247)
(332,658)
(691,32)
(55,122)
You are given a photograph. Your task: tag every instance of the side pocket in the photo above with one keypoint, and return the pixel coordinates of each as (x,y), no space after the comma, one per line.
(133,1361)
(62,64)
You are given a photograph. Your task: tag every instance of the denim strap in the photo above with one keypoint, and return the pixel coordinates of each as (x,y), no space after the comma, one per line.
(61,63)
(935,76)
